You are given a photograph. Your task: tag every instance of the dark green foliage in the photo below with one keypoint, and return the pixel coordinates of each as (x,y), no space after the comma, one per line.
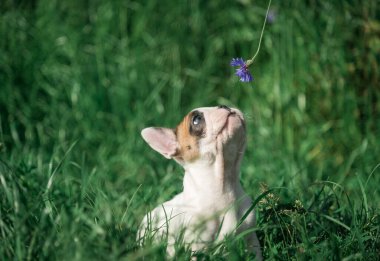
(80,79)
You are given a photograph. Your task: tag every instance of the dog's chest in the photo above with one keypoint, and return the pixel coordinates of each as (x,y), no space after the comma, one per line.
(213,218)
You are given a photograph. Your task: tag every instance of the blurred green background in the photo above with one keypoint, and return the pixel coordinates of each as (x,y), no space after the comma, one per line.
(80,79)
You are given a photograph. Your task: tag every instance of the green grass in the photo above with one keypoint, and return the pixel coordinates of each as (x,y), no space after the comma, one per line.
(80,79)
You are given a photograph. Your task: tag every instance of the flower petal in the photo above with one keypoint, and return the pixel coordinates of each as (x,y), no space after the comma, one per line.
(237,62)
(240,72)
(247,77)
(244,74)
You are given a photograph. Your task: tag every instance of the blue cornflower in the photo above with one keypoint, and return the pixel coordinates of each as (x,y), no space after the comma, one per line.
(242,72)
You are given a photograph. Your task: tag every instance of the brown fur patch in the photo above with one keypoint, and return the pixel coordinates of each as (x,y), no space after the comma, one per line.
(188,144)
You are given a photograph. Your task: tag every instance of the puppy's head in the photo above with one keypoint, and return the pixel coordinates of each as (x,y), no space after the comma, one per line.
(203,134)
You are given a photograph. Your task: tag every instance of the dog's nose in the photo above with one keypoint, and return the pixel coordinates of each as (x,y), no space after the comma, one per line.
(224,107)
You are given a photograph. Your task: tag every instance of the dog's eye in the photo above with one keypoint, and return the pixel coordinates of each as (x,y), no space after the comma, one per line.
(197,124)
(197,119)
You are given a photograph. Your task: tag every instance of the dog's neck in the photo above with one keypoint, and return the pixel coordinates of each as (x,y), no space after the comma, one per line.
(213,180)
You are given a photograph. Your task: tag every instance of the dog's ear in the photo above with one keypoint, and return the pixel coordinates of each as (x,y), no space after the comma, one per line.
(162,140)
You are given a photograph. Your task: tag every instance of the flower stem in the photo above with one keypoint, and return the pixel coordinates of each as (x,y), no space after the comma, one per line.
(249,62)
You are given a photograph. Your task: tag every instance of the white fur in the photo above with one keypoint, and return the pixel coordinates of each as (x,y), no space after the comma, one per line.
(213,201)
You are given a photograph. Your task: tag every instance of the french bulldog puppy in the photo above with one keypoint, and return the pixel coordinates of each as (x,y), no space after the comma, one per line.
(209,144)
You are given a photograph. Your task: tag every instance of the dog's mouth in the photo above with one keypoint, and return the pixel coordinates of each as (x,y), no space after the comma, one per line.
(234,123)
